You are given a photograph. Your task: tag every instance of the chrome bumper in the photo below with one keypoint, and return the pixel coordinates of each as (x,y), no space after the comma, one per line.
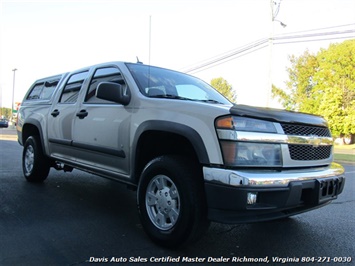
(269,177)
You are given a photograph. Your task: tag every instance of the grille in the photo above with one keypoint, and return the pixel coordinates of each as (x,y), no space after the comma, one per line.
(302,130)
(309,153)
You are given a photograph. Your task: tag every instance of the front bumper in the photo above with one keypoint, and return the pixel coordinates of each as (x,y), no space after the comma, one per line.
(278,193)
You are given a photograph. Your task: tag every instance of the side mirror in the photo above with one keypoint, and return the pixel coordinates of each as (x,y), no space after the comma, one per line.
(114,92)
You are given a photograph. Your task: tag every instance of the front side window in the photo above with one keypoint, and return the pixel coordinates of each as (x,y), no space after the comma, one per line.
(163,83)
(107,74)
(72,88)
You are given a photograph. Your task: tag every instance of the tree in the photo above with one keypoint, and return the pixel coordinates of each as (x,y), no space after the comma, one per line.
(5,112)
(221,85)
(336,81)
(323,84)
(300,86)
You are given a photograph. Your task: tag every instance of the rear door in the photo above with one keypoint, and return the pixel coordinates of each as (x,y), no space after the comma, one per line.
(101,128)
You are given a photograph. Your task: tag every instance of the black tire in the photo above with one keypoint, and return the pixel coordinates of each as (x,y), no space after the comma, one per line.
(35,164)
(177,212)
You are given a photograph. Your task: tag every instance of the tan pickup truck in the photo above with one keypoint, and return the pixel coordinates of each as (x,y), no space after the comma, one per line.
(192,156)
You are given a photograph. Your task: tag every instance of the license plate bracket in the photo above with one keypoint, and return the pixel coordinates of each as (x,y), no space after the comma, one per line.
(328,189)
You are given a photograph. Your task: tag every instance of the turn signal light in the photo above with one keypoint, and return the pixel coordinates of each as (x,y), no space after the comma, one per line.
(225,122)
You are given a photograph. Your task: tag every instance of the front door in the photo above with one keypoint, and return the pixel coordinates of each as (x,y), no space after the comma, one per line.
(101,128)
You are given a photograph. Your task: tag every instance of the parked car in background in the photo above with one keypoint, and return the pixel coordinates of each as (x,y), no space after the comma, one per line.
(4,123)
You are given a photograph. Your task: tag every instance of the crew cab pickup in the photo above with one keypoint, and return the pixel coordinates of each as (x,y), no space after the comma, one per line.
(192,156)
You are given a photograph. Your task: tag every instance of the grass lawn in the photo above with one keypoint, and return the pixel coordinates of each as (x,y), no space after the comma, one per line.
(344,153)
(345,147)
(344,157)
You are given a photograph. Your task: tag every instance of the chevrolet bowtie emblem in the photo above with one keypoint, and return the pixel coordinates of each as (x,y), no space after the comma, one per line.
(314,141)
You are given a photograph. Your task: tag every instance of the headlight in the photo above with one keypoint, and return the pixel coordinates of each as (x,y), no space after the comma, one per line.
(245,149)
(251,154)
(245,124)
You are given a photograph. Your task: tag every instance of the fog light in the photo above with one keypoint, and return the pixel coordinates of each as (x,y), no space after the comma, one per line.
(251,198)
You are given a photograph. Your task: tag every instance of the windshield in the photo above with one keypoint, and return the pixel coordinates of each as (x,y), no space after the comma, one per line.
(163,83)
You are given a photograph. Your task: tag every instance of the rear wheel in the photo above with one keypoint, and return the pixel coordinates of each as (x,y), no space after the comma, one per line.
(35,164)
(171,201)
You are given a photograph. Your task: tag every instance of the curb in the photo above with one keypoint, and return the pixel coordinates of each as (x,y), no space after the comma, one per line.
(8,137)
(345,162)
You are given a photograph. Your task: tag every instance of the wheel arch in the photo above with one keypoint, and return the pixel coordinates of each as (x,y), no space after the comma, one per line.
(30,128)
(156,138)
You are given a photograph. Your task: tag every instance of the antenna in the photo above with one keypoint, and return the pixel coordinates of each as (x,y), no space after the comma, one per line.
(150,36)
(138,62)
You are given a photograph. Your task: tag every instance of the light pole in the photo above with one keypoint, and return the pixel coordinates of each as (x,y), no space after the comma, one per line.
(13,94)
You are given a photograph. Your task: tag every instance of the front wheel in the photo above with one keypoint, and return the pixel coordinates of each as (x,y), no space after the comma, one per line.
(35,164)
(171,201)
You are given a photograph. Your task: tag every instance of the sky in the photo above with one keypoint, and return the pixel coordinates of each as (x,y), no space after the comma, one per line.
(44,38)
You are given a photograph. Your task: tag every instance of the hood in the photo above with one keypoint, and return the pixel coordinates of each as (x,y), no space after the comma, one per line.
(277,115)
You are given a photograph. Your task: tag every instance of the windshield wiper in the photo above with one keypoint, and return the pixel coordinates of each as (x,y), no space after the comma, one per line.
(177,97)
(170,96)
(210,101)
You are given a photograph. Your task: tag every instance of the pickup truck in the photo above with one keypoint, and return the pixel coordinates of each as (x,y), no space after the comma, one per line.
(192,156)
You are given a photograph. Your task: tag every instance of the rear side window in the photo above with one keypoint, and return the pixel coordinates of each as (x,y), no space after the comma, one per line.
(72,88)
(43,90)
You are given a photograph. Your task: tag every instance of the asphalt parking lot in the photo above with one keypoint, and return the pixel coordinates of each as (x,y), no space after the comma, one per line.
(78,219)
